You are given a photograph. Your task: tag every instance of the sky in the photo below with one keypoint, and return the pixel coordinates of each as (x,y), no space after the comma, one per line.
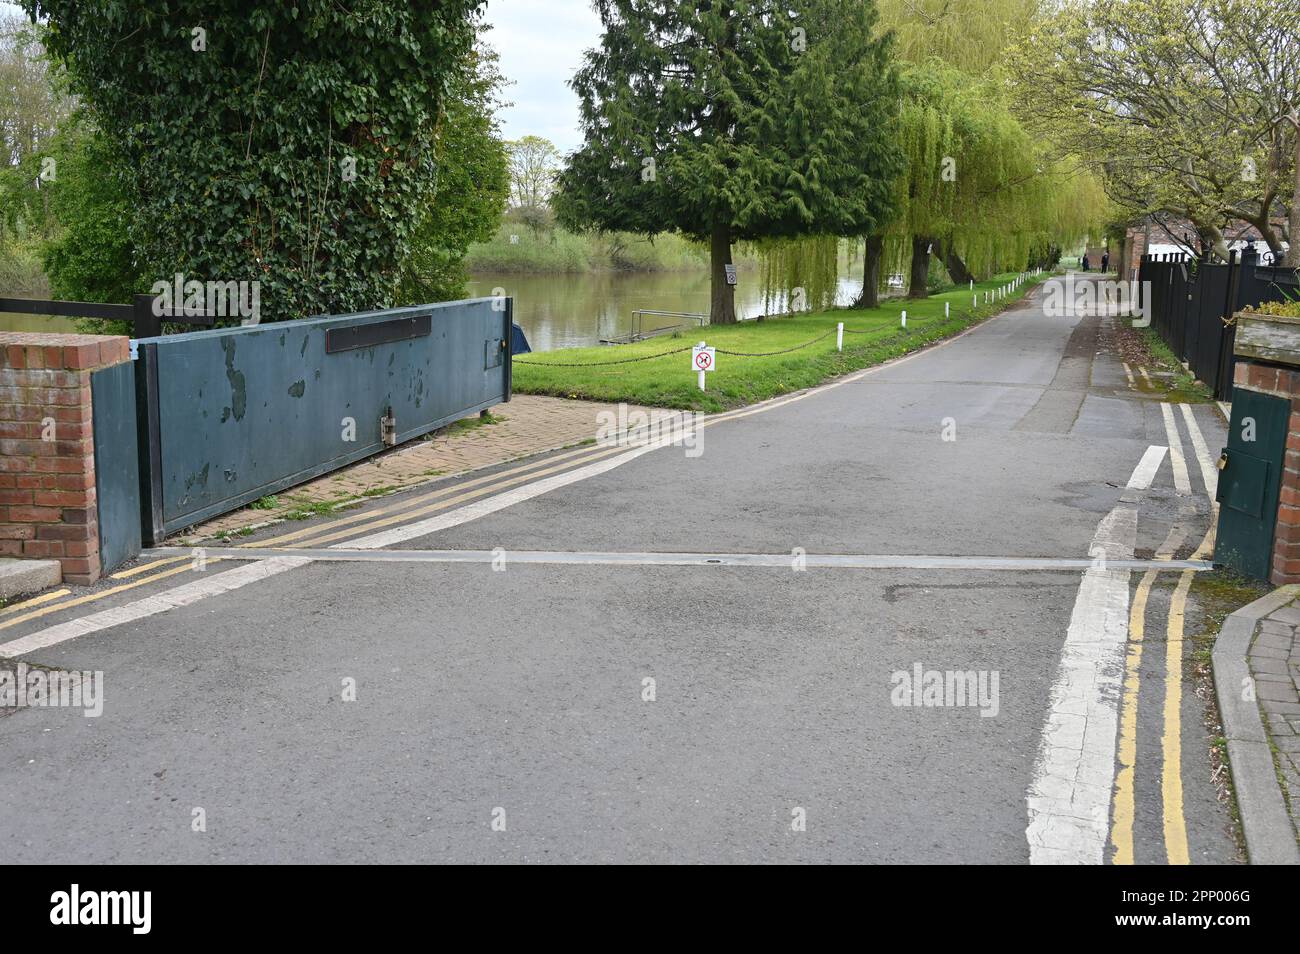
(541,43)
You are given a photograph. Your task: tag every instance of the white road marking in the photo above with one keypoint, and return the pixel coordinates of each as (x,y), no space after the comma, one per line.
(1182,483)
(481,508)
(848,561)
(1147,467)
(1069,796)
(158,603)
(191,592)
(489,505)
(1209,473)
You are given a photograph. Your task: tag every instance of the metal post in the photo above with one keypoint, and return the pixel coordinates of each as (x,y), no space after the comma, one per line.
(149,443)
(145,324)
(839,337)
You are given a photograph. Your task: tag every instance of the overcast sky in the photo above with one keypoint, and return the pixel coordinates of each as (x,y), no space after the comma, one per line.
(541,43)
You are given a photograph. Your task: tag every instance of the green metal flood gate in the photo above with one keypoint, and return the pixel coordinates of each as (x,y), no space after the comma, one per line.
(230,415)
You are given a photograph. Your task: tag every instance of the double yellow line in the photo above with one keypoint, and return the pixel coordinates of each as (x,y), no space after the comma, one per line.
(46,604)
(1174,822)
(348,526)
(418,506)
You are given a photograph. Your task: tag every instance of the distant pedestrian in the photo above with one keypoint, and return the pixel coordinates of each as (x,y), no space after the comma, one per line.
(1105,261)
(1084,262)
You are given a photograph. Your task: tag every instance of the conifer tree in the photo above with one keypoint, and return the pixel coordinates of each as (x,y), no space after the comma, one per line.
(734,119)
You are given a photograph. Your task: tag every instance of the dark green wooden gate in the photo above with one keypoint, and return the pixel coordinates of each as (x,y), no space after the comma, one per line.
(1250,482)
(117,472)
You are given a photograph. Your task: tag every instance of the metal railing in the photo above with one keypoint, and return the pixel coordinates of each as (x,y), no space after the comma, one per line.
(639,333)
(145,323)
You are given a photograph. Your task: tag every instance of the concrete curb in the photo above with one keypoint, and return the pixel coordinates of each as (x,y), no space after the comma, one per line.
(18,577)
(1270,839)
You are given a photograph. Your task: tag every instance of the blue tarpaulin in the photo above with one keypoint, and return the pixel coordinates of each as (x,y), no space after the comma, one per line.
(518,341)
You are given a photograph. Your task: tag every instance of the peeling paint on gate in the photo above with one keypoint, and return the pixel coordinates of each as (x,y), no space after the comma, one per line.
(238,387)
(208,381)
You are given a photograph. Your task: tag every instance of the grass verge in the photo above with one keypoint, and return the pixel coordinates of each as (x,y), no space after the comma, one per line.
(665,379)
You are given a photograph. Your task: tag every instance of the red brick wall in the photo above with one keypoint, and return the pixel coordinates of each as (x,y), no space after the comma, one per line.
(1135,246)
(48,507)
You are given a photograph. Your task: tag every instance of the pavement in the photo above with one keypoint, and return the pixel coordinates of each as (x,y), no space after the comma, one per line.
(944,610)
(1274,660)
(1257,677)
(526,425)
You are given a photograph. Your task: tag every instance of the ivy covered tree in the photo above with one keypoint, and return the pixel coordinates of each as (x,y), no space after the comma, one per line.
(292,144)
(733,119)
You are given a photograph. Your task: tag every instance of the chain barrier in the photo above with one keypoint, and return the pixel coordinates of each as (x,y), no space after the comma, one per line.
(766,354)
(734,354)
(601,364)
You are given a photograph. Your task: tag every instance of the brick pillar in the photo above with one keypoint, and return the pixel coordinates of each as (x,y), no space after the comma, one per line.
(1135,246)
(48,507)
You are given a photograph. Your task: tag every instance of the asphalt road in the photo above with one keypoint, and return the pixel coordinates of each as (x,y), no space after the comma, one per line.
(503,714)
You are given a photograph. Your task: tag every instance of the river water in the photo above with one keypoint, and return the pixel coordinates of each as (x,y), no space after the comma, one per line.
(577,310)
(571,311)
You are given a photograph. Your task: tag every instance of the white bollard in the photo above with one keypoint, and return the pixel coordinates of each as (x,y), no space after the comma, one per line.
(974,301)
(904,319)
(839,337)
(972,284)
(946,306)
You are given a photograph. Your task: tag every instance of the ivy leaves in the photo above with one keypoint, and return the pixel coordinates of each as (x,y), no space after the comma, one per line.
(297,148)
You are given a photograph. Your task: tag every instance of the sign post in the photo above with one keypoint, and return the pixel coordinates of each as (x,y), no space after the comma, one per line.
(703,359)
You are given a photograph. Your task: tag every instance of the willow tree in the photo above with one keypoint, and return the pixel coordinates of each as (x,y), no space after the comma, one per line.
(978,191)
(969,35)
(733,119)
